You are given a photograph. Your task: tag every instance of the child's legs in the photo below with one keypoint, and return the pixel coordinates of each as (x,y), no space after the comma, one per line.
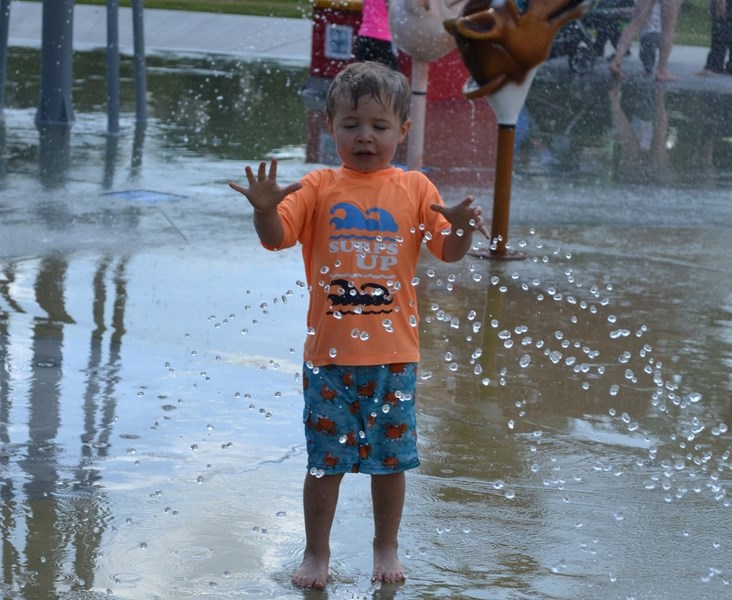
(387,495)
(320,498)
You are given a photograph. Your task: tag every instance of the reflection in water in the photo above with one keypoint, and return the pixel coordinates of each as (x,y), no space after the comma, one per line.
(3,154)
(574,407)
(51,537)
(644,138)
(564,400)
(582,126)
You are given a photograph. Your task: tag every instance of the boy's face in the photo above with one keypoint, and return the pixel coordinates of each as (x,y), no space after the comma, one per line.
(367,136)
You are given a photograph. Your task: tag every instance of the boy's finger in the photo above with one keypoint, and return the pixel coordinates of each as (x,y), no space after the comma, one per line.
(273,169)
(262,173)
(250,175)
(237,187)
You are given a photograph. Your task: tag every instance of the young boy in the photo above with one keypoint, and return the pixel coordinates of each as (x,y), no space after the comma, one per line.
(361,227)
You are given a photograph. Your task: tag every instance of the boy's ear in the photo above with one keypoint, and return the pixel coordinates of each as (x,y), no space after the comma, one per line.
(329,125)
(404,130)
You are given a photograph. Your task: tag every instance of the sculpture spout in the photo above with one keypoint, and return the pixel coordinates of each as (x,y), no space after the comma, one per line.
(501,44)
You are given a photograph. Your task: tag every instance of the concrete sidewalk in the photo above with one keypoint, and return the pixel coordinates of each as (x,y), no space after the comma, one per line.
(175,31)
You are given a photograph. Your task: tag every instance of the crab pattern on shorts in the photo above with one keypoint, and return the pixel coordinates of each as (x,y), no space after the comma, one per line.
(360,418)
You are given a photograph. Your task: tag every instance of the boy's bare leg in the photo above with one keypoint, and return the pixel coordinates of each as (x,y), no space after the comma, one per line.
(320,498)
(387,493)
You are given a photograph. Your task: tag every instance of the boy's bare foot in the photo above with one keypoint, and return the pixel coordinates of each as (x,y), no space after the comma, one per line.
(387,567)
(312,573)
(664,76)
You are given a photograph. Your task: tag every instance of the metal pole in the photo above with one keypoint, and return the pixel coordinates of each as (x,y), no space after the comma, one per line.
(4,28)
(54,154)
(140,71)
(112,67)
(418,114)
(55,105)
(502,189)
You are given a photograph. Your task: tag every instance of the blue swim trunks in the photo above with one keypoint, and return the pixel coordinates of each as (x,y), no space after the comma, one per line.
(360,418)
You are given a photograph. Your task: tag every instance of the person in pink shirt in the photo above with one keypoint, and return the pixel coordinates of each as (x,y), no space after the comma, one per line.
(361,227)
(373,41)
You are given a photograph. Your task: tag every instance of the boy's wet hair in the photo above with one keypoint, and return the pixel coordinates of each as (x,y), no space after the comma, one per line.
(371,79)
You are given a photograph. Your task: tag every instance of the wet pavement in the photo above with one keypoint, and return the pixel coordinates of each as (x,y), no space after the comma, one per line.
(574,407)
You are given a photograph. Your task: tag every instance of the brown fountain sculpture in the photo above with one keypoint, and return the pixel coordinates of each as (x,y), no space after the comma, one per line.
(502,45)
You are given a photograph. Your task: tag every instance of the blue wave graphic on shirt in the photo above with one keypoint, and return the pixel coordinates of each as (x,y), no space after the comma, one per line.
(353,236)
(351,217)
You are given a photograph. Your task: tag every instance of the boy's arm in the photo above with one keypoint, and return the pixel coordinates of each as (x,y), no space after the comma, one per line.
(264,194)
(268,226)
(464,218)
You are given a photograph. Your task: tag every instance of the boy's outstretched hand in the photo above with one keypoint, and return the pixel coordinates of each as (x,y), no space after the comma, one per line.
(464,216)
(264,193)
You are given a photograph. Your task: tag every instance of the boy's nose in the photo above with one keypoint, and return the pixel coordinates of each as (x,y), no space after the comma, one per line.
(364,134)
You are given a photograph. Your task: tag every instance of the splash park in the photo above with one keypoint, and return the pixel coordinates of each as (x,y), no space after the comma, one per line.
(573,405)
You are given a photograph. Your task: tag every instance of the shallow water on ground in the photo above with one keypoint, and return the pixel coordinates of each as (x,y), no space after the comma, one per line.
(573,407)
